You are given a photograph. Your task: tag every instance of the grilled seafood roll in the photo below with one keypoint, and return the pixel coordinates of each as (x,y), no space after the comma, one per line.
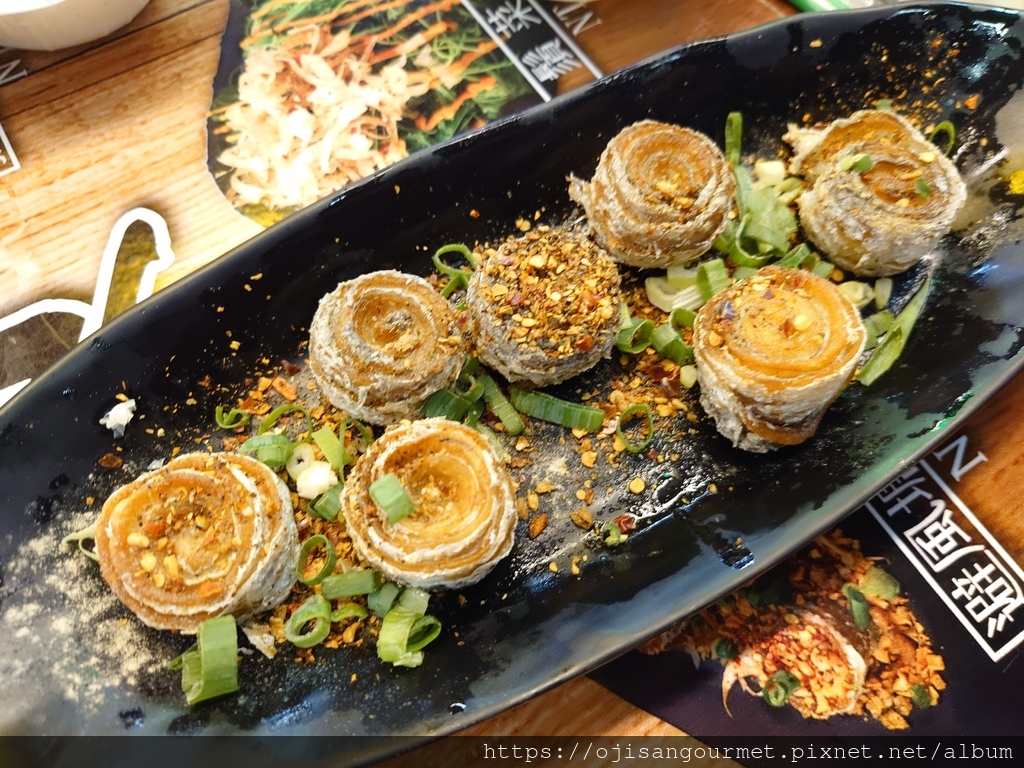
(830,684)
(659,197)
(382,343)
(464,500)
(544,307)
(772,353)
(880,194)
(205,535)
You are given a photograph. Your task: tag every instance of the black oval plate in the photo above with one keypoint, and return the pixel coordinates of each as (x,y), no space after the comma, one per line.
(90,668)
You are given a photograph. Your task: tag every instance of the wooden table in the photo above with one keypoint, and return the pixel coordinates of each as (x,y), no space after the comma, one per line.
(122,122)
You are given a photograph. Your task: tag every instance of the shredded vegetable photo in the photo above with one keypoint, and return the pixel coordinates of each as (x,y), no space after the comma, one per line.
(322,93)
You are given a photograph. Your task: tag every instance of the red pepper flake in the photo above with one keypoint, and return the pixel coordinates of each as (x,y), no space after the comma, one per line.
(625,523)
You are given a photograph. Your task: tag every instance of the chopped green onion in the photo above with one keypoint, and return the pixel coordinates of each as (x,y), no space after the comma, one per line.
(858,606)
(351,583)
(545,407)
(332,448)
(380,601)
(680,277)
(612,535)
(86,534)
(733,137)
(921,696)
(316,610)
(210,667)
(234,418)
(301,459)
(274,416)
(272,450)
(780,686)
(682,317)
(879,583)
(861,163)
(501,407)
(319,541)
(641,410)
(823,269)
(739,256)
(712,278)
(668,343)
(922,188)
(741,273)
(892,345)
(457,278)
(799,256)
(414,599)
(492,438)
(946,128)
(446,403)
(883,104)
(403,635)
(662,295)
(859,293)
(770,172)
(349,610)
(634,334)
(329,504)
(883,291)
(724,648)
(390,497)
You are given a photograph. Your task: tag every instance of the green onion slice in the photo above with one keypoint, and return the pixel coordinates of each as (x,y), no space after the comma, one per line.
(332,449)
(920,695)
(712,278)
(446,403)
(316,612)
(329,504)
(733,137)
(612,535)
(390,497)
(861,163)
(80,537)
(351,583)
(641,410)
(236,417)
(682,317)
(879,583)
(858,606)
(382,600)
(349,610)
(210,667)
(780,686)
(275,415)
(501,407)
(724,648)
(883,104)
(545,407)
(272,450)
(403,635)
(634,335)
(668,342)
(922,188)
(945,128)
(319,541)
(457,278)
(889,350)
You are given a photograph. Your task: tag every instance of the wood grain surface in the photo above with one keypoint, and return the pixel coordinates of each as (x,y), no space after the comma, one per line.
(122,122)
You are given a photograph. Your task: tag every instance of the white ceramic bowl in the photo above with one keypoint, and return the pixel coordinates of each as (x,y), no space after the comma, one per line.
(46,25)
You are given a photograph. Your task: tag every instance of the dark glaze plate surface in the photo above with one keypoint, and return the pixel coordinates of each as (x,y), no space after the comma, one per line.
(92,669)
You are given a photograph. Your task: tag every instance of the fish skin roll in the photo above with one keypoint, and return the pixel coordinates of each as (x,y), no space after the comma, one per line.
(773,351)
(880,195)
(205,535)
(660,196)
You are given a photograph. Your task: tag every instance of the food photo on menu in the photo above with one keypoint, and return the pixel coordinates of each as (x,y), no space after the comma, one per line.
(651,381)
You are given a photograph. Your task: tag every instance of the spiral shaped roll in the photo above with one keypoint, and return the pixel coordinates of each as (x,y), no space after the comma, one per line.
(465,516)
(659,197)
(205,535)
(380,344)
(772,353)
(543,307)
(882,220)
